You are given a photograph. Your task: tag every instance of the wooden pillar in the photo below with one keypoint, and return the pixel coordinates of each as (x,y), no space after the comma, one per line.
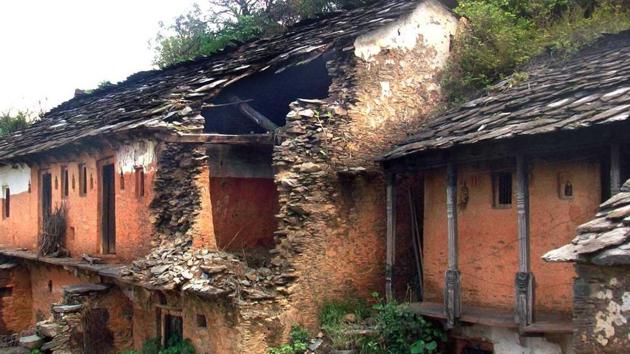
(615,169)
(391,236)
(524,277)
(452,289)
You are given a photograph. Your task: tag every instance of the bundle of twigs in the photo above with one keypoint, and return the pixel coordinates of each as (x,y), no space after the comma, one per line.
(52,238)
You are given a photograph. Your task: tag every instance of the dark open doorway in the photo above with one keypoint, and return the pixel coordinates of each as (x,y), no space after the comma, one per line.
(173,329)
(46,201)
(108,209)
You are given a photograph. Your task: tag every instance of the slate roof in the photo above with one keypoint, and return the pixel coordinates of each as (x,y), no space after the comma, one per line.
(172,98)
(605,240)
(591,88)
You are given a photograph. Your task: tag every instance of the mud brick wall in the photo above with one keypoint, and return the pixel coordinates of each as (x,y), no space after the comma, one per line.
(15,299)
(601,307)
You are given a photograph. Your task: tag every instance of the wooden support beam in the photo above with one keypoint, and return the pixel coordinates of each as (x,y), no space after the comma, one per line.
(228,139)
(391,236)
(452,288)
(615,169)
(524,282)
(253,114)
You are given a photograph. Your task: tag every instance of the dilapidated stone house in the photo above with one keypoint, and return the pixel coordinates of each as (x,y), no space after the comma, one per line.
(221,199)
(601,291)
(498,182)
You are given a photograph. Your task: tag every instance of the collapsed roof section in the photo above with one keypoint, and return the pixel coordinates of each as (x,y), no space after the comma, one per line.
(173,99)
(590,89)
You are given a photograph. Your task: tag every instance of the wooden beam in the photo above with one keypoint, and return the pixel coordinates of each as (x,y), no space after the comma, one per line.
(245,139)
(524,282)
(615,169)
(391,236)
(253,114)
(452,278)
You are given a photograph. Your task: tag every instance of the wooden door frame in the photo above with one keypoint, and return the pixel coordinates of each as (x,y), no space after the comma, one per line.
(40,197)
(99,173)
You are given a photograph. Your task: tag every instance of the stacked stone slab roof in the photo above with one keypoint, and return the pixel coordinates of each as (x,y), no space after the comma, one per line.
(605,240)
(171,99)
(591,88)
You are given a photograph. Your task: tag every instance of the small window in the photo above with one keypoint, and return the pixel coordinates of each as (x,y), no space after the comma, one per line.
(50,286)
(122,181)
(82,180)
(502,189)
(201,321)
(65,185)
(6,291)
(139,182)
(565,186)
(6,210)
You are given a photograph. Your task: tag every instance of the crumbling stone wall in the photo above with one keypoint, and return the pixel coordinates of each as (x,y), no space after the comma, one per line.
(332,194)
(601,307)
(179,194)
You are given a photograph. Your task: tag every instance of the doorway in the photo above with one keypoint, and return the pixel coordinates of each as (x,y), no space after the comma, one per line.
(46,201)
(173,329)
(108,209)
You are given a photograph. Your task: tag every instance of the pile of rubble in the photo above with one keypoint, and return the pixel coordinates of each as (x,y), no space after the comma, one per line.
(208,274)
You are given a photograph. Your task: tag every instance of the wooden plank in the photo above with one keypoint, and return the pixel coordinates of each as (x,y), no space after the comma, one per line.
(228,139)
(391,235)
(251,113)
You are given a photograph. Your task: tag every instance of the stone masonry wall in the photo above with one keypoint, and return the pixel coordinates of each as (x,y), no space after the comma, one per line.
(331,234)
(601,307)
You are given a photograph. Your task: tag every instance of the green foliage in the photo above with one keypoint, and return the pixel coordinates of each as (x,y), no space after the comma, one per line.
(398,330)
(10,123)
(402,331)
(502,35)
(197,33)
(298,342)
(36,351)
(174,346)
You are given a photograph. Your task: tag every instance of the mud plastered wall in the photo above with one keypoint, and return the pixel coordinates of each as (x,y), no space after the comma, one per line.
(332,228)
(601,307)
(16,307)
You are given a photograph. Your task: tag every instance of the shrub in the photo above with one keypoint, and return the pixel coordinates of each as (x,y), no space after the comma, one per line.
(502,35)
(298,342)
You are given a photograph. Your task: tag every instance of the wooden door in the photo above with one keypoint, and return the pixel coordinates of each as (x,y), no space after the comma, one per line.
(108,209)
(46,196)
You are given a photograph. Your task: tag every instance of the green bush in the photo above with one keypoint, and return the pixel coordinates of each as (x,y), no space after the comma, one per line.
(175,345)
(502,35)
(298,343)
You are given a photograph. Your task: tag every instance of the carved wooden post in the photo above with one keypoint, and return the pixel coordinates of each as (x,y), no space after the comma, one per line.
(391,235)
(524,278)
(615,169)
(452,289)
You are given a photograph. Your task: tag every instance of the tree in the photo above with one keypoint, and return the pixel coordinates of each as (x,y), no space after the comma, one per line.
(230,22)
(11,123)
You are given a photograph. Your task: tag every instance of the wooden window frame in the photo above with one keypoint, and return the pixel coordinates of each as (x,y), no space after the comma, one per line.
(139,177)
(6,202)
(65,182)
(499,189)
(82,180)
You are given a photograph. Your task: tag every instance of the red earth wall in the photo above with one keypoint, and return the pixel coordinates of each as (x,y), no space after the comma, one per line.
(133,227)
(488,245)
(243,212)
(16,307)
